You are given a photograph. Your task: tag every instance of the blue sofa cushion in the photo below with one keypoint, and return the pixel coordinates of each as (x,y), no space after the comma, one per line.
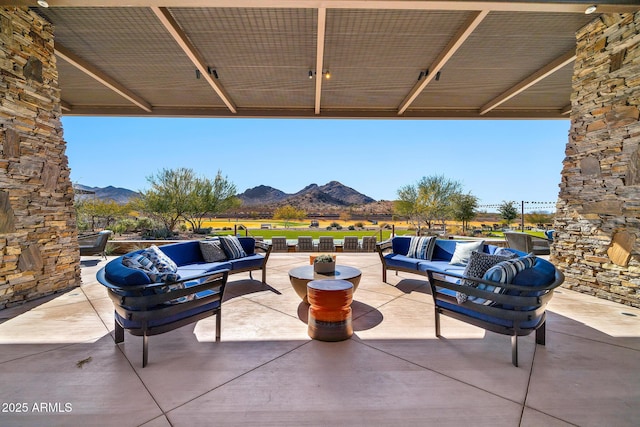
(249,261)
(183,253)
(421,247)
(479,263)
(402,261)
(248,244)
(195,270)
(232,247)
(463,251)
(542,273)
(443,266)
(212,250)
(400,245)
(503,272)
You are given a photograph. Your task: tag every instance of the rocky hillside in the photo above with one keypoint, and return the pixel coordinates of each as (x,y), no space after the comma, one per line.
(311,198)
(119,195)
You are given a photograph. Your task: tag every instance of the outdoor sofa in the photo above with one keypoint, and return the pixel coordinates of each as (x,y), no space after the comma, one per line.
(498,289)
(159,289)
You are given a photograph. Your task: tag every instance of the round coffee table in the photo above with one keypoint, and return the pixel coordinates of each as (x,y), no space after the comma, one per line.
(300,276)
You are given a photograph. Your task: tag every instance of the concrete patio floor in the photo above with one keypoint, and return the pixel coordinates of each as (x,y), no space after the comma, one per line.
(59,365)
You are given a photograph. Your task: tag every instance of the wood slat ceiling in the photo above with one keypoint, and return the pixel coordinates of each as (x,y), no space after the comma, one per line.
(116,60)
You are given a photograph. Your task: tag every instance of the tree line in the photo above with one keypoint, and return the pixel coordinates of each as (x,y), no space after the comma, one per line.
(178,196)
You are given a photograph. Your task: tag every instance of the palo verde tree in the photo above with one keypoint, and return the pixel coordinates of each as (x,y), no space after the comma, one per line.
(429,200)
(93,213)
(508,211)
(209,198)
(288,213)
(167,199)
(463,208)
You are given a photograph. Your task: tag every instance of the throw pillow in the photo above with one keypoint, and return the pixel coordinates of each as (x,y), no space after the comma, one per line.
(503,272)
(479,263)
(463,251)
(141,262)
(212,251)
(505,253)
(160,260)
(422,247)
(232,247)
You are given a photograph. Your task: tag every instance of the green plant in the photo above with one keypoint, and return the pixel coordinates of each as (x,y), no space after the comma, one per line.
(323,258)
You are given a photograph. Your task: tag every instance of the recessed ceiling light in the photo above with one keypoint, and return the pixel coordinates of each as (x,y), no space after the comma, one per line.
(43,3)
(590,9)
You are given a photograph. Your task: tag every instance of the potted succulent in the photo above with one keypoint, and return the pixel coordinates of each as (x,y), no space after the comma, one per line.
(324,264)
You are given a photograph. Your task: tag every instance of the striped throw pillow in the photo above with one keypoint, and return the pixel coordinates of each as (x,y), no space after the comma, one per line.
(422,247)
(503,272)
(232,247)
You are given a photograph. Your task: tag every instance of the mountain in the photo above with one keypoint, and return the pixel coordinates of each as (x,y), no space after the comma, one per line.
(312,198)
(118,195)
(262,195)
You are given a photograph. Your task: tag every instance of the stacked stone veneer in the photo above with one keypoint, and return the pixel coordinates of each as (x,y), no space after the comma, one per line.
(38,241)
(598,215)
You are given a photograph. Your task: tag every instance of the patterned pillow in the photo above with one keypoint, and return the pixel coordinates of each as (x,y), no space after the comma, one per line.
(503,272)
(463,252)
(161,262)
(212,251)
(505,253)
(232,247)
(479,263)
(141,262)
(422,247)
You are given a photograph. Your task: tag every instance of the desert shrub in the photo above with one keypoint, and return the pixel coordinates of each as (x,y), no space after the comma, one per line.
(351,227)
(359,224)
(145,224)
(204,230)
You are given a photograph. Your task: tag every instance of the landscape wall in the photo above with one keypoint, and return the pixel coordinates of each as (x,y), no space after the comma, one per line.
(598,214)
(38,240)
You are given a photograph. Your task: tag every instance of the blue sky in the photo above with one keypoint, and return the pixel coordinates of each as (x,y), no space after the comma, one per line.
(494,160)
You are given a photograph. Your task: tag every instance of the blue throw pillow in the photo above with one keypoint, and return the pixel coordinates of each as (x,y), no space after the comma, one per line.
(503,272)
(463,252)
(232,247)
(422,247)
(479,263)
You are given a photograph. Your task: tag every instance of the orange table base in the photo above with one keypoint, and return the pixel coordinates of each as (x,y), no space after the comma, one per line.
(330,310)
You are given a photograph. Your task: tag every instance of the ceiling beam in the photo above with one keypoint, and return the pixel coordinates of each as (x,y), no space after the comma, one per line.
(328,113)
(566,110)
(575,6)
(101,77)
(534,78)
(65,105)
(458,39)
(180,37)
(322,24)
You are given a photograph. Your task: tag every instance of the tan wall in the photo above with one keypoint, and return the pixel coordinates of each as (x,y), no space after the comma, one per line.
(598,216)
(38,240)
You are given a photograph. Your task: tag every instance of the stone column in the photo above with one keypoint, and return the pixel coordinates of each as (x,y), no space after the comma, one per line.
(598,215)
(38,239)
